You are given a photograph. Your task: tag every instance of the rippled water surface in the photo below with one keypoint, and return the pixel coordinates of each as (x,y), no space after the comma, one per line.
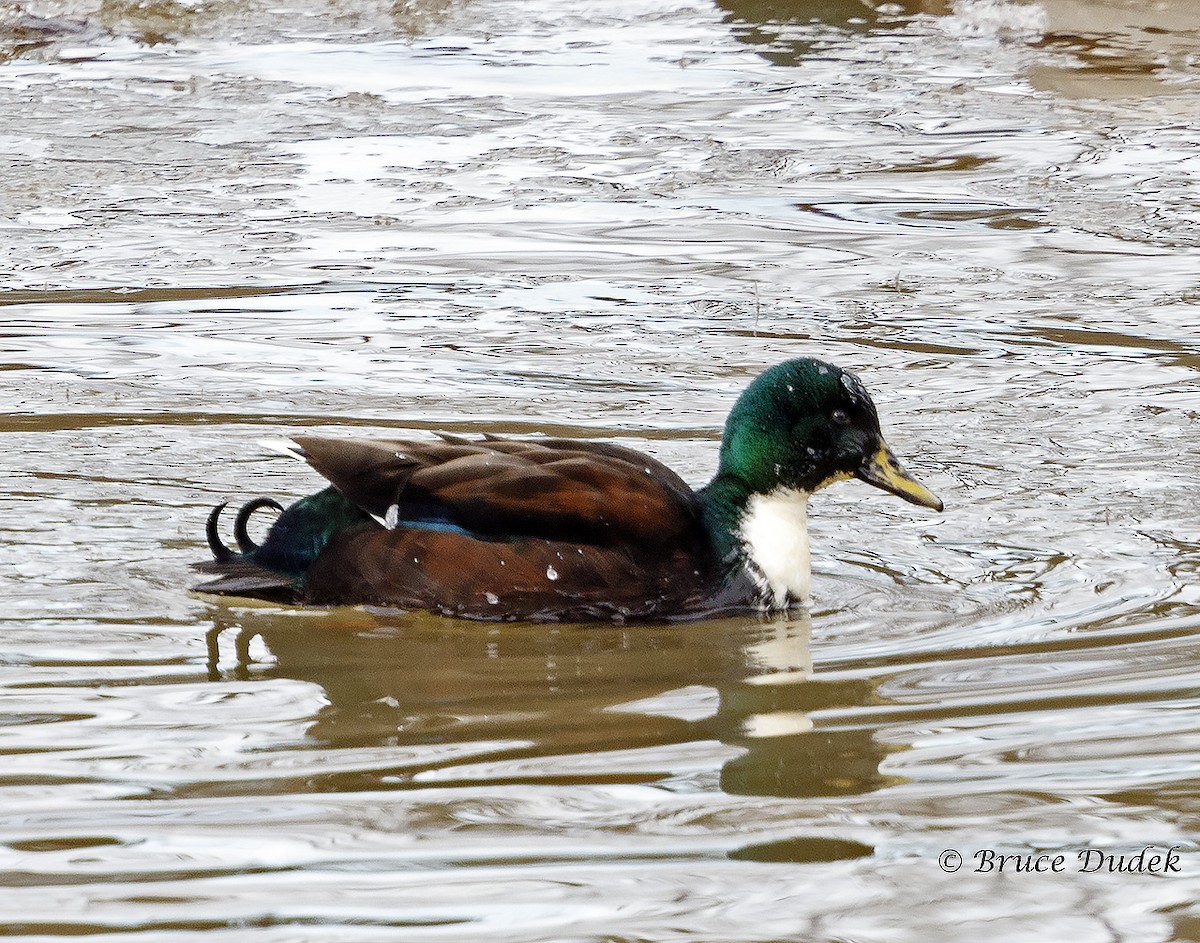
(226,221)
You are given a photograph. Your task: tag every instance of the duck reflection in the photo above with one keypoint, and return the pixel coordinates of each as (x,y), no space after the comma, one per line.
(768,713)
(550,703)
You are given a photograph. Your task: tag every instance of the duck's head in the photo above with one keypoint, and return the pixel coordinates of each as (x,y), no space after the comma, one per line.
(805,424)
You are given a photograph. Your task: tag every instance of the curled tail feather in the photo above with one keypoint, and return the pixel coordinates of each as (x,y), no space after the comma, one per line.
(246,545)
(237,574)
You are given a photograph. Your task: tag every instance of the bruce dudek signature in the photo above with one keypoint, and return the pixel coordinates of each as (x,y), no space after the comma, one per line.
(1150,860)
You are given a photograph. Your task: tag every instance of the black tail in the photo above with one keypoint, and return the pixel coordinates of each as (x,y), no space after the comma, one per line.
(237,574)
(220,552)
(245,544)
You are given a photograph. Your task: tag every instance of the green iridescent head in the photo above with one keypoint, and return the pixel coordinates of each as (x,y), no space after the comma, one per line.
(805,424)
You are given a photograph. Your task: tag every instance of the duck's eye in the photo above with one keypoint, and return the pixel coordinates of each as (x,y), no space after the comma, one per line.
(840,417)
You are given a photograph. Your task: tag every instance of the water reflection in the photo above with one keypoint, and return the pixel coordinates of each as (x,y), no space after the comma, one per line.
(1098,50)
(771,23)
(1116,50)
(555,704)
(23,31)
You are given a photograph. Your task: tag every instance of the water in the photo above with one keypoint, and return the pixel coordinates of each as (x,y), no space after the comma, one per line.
(227,221)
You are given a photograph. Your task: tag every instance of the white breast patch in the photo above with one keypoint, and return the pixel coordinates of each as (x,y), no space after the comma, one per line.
(774,531)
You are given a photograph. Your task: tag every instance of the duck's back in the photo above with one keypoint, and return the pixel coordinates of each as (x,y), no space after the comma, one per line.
(492,529)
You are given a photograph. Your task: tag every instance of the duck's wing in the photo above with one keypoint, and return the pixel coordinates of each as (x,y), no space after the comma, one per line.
(500,488)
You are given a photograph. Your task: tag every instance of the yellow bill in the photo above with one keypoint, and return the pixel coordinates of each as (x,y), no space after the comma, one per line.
(883,470)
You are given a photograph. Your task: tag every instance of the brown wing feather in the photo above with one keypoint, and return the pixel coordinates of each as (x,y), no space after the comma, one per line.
(370,473)
(557,489)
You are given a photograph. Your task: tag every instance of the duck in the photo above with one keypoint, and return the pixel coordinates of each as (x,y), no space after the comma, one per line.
(566,530)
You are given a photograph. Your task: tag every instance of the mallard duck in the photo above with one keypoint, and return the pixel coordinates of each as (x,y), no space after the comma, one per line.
(560,529)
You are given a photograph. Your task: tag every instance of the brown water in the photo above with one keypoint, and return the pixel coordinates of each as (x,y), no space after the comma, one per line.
(223,221)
